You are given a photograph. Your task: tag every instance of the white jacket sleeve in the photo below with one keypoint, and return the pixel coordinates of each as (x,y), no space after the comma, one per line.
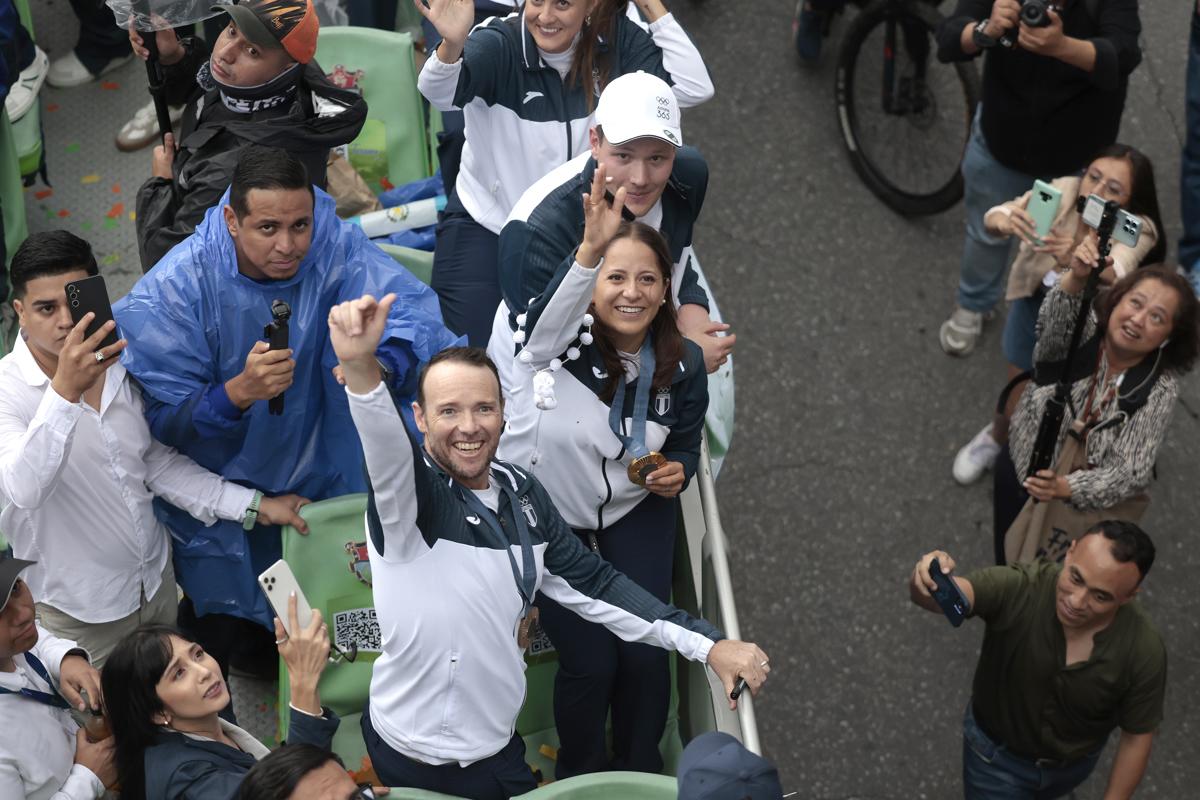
(558,323)
(438,81)
(691,82)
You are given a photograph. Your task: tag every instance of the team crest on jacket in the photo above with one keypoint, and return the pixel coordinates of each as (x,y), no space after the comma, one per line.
(662,402)
(529,512)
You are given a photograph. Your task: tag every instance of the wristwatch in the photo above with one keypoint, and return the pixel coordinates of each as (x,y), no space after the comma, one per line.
(979,35)
(251,517)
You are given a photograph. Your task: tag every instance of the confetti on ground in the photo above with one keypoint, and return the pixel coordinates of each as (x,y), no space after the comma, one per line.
(52,107)
(87,226)
(116,188)
(93,178)
(110,223)
(42,194)
(132,216)
(62,212)
(117,210)
(73,147)
(386,184)
(111,258)
(110,85)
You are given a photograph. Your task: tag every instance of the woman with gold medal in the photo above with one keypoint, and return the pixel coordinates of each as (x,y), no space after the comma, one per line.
(608,414)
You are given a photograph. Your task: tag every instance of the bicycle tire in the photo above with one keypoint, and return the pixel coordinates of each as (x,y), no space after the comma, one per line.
(903,200)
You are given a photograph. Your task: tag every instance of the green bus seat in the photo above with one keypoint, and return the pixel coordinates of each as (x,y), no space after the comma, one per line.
(27,131)
(393,147)
(418,262)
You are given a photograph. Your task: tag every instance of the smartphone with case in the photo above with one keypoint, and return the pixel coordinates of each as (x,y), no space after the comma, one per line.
(1127,228)
(954,604)
(90,294)
(277,582)
(1044,201)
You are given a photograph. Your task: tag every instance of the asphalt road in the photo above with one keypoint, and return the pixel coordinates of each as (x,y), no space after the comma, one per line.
(849,416)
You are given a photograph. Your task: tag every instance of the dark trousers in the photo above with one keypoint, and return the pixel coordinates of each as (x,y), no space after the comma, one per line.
(496,777)
(1008,498)
(598,671)
(466,273)
(100,40)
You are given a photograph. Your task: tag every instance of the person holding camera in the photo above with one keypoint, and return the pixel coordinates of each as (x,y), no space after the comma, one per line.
(1068,655)
(1119,173)
(1054,84)
(610,421)
(1140,337)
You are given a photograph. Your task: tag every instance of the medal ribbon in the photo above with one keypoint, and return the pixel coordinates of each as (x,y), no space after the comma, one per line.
(526,580)
(635,443)
(51,698)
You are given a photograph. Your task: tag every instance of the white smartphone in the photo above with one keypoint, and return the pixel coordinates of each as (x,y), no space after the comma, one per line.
(278,582)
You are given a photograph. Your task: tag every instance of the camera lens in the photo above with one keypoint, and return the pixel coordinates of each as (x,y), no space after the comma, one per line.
(74,303)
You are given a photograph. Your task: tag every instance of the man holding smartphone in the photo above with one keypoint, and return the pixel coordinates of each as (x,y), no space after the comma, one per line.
(79,470)
(1067,657)
(1052,97)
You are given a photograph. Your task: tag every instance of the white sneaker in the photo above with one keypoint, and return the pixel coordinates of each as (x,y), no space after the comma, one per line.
(959,334)
(23,93)
(976,457)
(142,129)
(69,70)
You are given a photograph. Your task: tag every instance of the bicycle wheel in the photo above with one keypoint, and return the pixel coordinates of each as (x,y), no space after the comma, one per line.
(905,116)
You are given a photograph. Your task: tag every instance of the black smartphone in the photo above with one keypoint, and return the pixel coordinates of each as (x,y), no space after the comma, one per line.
(90,294)
(948,595)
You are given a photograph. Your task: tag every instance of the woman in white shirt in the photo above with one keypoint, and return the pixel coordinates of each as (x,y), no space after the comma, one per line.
(527,85)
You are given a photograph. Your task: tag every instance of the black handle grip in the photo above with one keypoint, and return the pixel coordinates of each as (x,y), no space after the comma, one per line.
(276,335)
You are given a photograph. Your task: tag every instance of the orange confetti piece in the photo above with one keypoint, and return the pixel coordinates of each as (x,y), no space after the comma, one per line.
(62,212)
(116,188)
(87,179)
(110,85)
(52,107)
(386,184)
(43,194)
(117,210)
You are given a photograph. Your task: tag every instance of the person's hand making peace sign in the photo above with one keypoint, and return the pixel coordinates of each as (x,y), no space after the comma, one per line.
(601,220)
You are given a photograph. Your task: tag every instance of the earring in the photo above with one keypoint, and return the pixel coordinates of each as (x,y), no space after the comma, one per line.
(587,20)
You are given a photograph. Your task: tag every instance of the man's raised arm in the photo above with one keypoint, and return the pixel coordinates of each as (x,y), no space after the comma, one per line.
(920,584)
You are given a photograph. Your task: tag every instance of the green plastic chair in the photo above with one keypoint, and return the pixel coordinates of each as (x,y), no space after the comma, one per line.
(393,145)
(418,262)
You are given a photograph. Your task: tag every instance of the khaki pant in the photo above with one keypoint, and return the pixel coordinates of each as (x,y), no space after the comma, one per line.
(99,638)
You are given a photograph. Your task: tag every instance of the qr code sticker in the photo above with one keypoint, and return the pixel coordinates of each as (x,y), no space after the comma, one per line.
(540,643)
(357,626)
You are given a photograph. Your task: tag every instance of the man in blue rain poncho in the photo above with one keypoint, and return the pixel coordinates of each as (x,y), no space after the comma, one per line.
(195,326)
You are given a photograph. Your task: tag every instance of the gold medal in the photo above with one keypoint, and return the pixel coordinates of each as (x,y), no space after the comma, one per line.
(640,468)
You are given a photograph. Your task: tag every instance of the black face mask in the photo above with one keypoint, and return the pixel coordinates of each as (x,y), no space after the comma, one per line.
(248,99)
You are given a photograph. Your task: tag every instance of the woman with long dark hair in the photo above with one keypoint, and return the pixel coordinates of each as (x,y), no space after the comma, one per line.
(1120,173)
(1140,337)
(163,695)
(527,85)
(608,414)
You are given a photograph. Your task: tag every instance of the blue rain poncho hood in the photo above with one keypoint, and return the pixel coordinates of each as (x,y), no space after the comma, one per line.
(192,320)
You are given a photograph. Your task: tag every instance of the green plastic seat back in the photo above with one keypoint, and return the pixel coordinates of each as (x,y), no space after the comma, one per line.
(393,147)
(330,564)
(606,785)
(12,206)
(418,262)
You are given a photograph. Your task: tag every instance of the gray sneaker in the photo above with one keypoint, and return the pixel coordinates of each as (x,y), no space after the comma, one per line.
(959,334)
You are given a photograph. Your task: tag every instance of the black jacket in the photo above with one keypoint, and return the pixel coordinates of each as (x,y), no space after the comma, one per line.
(1040,115)
(168,211)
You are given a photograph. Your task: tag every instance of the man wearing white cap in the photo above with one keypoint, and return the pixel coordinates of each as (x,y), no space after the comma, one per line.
(637,138)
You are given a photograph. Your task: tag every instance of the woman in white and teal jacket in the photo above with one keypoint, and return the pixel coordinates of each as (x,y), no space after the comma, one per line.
(527,85)
(562,426)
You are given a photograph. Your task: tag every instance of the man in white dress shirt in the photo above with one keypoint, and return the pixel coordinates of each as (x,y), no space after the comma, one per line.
(79,469)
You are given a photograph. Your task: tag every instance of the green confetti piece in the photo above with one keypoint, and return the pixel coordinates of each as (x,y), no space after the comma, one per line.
(111,258)
(73,147)
(87,226)
(109,223)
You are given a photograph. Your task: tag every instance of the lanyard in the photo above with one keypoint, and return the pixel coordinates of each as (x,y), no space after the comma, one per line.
(636,442)
(51,698)
(527,579)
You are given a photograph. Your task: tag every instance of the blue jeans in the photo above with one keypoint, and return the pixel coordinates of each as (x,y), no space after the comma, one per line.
(1020,331)
(991,772)
(988,183)
(1189,177)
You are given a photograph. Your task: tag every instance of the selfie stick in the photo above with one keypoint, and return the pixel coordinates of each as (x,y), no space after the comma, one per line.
(154,73)
(1056,407)
(277,335)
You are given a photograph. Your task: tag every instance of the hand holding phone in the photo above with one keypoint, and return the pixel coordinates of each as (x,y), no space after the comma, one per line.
(947,595)
(84,359)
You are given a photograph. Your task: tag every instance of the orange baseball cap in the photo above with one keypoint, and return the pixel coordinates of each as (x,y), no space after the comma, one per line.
(290,24)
